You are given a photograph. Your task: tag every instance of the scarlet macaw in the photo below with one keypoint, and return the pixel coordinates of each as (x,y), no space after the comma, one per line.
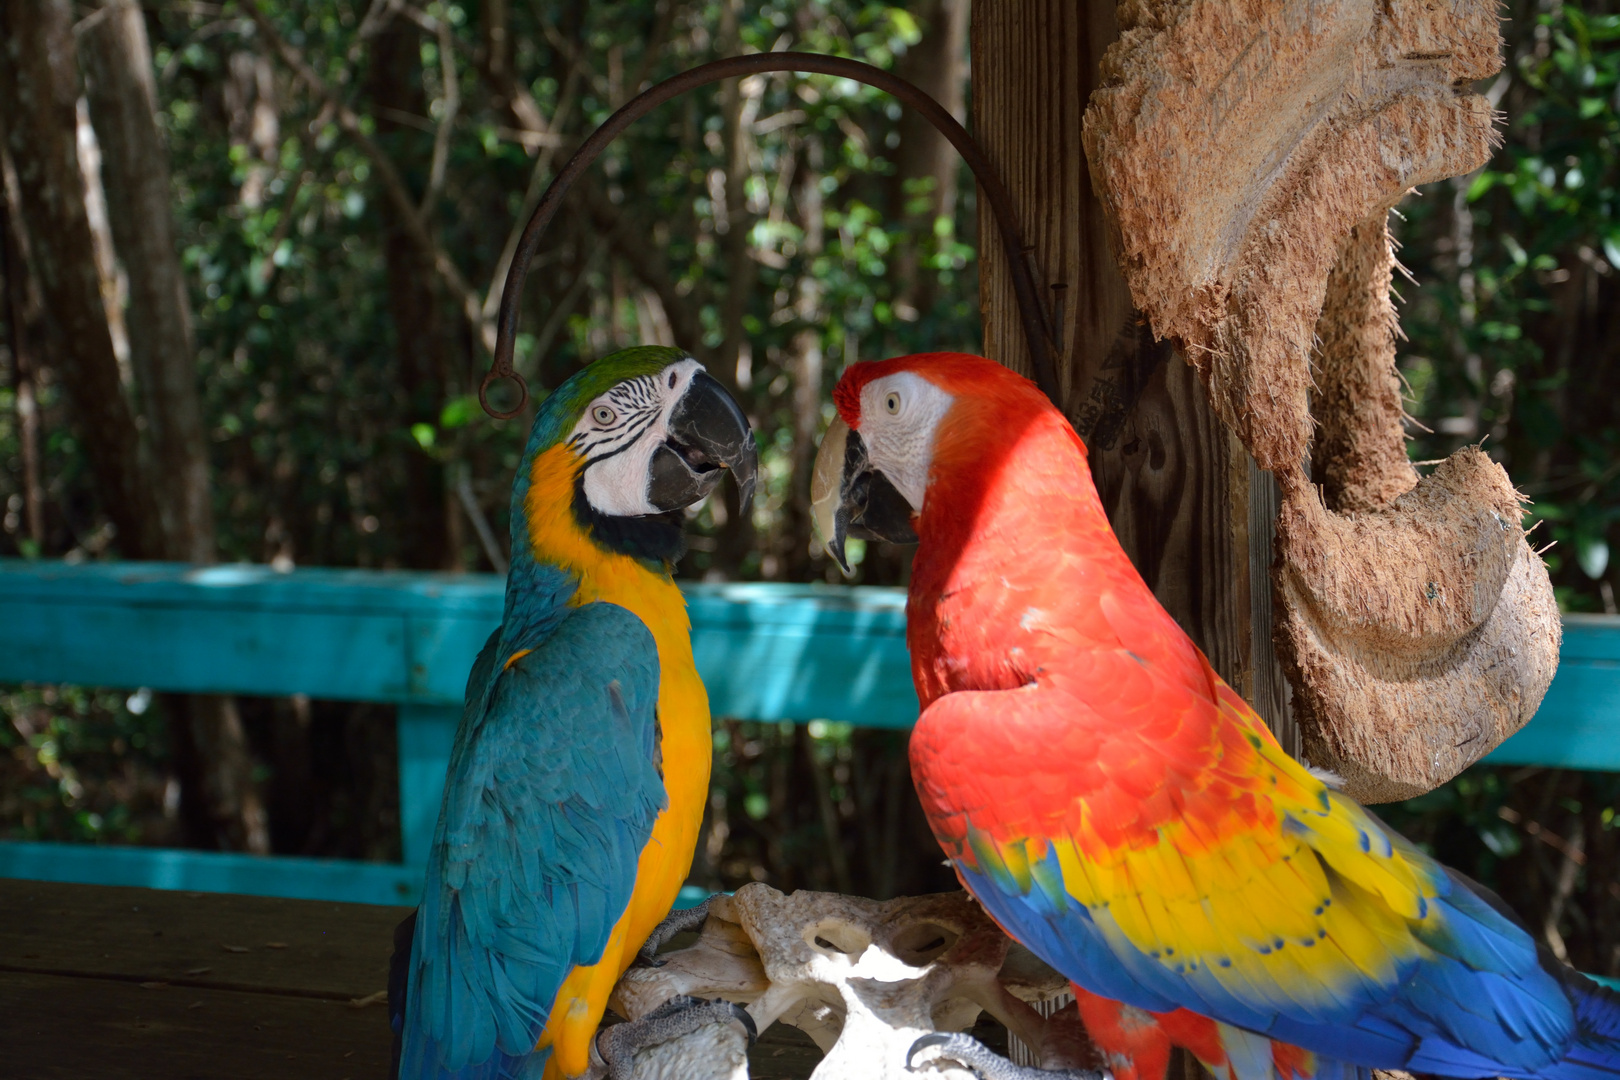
(581,766)
(1121,811)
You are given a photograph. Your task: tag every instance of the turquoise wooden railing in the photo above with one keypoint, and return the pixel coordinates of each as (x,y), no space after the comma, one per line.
(766,652)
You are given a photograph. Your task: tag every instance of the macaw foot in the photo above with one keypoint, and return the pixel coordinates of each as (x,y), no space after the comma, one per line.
(678,1016)
(986,1064)
(676,922)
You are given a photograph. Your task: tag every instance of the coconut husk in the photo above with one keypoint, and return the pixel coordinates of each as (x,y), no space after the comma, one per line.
(1416,637)
(1235,145)
(1248,153)
(1359,455)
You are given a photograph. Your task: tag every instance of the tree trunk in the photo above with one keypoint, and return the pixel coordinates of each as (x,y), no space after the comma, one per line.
(413,302)
(221,806)
(135,172)
(24,370)
(806,363)
(1185,498)
(937,64)
(38,88)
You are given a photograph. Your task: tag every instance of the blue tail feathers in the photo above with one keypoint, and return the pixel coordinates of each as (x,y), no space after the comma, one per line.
(1595,1054)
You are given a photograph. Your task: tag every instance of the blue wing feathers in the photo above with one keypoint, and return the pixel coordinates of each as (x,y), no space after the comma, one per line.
(1480,999)
(552,793)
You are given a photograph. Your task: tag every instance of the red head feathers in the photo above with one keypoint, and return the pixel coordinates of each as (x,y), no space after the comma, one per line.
(960,374)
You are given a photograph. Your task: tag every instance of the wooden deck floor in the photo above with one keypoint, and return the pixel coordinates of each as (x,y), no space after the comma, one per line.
(110,982)
(106,983)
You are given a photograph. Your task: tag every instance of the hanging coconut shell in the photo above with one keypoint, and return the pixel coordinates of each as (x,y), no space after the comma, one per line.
(1247,154)
(1416,626)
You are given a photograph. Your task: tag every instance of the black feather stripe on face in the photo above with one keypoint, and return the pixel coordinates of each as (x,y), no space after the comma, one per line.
(654,538)
(636,403)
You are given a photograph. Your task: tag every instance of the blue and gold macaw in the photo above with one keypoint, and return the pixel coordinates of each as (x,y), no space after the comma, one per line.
(581,767)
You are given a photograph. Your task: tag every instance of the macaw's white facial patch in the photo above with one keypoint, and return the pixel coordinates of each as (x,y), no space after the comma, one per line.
(900,414)
(618,434)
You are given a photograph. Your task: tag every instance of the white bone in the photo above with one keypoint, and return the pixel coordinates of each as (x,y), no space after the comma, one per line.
(863,978)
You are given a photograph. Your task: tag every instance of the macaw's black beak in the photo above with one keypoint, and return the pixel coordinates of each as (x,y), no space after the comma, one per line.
(848,497)
(707,434)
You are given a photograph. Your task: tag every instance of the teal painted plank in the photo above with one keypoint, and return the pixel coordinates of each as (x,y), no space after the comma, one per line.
(290,877)
(237,586)
(295,878)
(691,896)
(355,656)
(1578,724)
(425,736)
(766,652)
(1590,637)
(343,634)
(802,652)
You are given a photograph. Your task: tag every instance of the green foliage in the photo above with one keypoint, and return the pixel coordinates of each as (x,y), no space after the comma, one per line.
(286,236)
(1511,321)
(85,765)
(816,806)
(1546,840)
(1511,328)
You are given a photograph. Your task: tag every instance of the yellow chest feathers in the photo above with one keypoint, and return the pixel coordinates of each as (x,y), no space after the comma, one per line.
(556,537)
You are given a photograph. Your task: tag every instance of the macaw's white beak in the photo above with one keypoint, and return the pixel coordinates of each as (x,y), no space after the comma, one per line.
(826,492)
(848,497)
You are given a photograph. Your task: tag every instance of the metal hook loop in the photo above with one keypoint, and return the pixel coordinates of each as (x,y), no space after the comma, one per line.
(493,376)
(1037,327)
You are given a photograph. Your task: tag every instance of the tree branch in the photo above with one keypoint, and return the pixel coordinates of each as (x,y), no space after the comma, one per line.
(447,122)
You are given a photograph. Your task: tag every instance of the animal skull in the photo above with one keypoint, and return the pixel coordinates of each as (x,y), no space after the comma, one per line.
(863,978)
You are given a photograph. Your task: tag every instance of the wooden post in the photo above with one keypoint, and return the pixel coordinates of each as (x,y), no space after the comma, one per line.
(1189,505)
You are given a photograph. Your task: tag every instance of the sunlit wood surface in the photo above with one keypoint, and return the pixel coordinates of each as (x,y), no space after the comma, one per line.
(107,983)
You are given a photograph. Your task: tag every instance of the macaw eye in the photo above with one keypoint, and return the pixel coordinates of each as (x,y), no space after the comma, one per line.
(603,415)
(892,402)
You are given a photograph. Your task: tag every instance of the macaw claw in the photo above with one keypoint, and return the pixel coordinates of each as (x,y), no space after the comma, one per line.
(678,1016)
(986,1064)
(676,922)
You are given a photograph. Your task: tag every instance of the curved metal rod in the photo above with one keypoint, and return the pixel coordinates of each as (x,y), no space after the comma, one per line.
(995,193)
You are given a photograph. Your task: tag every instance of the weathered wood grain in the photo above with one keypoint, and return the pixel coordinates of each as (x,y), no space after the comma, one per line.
(59,1027)
(1033,64)
(299,948)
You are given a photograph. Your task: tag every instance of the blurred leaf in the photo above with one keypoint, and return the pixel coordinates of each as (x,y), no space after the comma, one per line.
(1593,555)
(460,412)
